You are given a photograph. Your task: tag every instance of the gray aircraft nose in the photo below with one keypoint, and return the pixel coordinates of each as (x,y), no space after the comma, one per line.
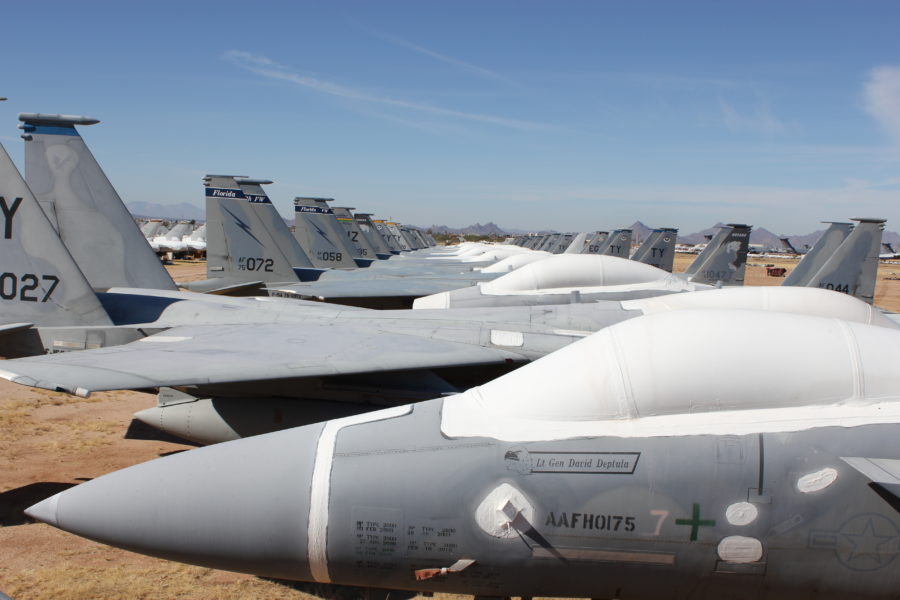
(240,506)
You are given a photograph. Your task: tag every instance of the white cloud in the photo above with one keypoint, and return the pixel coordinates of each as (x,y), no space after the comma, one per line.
(759,119)
(882,99)
(265,67)
(481,71)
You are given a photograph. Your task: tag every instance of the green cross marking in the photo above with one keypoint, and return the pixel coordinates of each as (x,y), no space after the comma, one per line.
(695,522)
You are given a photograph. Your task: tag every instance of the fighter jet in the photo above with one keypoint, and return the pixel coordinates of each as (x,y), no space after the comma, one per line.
(587,278)
(569,278)
(648,461)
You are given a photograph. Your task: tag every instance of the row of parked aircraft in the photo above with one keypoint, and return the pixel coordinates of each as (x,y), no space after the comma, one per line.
(182,239)
(570,424)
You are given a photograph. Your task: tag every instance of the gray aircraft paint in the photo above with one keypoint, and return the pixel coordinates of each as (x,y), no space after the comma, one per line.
(576,246)
(365,225)
(658,249)
(415,237)
(712,245)
(725,260)
(240,248)
(379,351)
(842,273)
(549,242)
(84,208)
(687,513)
(320,235)
(40,282)
(561,243)
(788,246)
(386,236)
(726,263)
(276,229)
(411,240)
(596,243)
(395,232)
(618,243)
(355,237)
(821,251)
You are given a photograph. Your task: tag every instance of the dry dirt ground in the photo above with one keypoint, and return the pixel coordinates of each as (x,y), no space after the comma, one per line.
(51,441)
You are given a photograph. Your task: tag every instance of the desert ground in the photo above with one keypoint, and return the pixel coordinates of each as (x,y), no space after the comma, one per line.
(52,441)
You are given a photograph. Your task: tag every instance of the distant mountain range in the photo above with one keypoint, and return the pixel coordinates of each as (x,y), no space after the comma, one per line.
(759,235)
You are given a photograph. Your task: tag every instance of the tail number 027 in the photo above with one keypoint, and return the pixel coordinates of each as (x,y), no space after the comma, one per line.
(25,287)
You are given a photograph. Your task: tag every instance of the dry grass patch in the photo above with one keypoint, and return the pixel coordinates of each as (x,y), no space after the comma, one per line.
(175,581)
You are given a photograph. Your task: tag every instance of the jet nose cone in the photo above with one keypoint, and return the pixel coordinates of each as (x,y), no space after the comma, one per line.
(45,510)
(239,506)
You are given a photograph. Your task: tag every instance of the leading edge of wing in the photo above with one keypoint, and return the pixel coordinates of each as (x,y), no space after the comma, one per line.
(200,355)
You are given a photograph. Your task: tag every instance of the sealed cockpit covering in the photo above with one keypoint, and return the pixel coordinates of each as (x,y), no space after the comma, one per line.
(511,263)
(799,300)
(40,283)
(319,234)
(650,377)
(573,271)
(84,208)
(355,237)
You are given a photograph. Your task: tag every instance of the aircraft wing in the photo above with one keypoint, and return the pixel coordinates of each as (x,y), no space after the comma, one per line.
(883,475)
(375,288)
(202,355)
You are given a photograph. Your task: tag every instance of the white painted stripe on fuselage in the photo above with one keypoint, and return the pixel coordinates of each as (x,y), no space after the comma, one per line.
(320,487)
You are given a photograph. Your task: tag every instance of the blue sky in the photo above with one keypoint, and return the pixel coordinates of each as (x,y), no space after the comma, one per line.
(565,115)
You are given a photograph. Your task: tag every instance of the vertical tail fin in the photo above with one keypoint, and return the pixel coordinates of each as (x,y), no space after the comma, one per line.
(40,282)
(597,243)
(277,230)
(726,263)
(355,237)
(853,268)
(618,243)
(368,230)
(658,249)
(398,237)
(821,251)
(84,207)
(240,248)
(712,242)
(577,244)
(787,245)
(319,234)
(388,238)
